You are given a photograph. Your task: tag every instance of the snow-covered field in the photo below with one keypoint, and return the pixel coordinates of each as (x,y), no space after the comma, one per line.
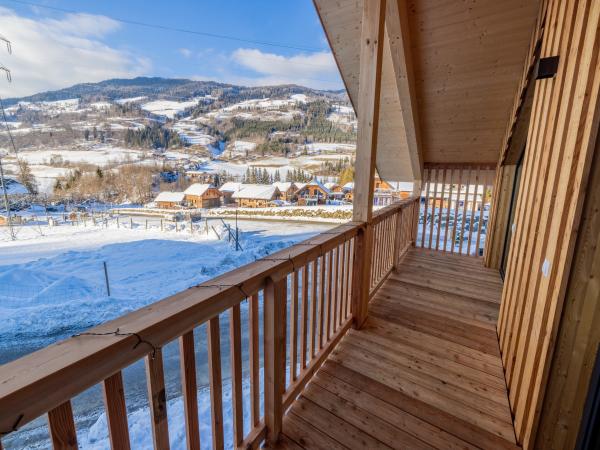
(52,285)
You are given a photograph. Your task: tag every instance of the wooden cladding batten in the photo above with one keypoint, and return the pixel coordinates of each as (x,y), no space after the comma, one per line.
(455,203)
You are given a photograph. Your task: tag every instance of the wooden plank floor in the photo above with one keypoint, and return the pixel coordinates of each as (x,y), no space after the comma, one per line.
(425,371)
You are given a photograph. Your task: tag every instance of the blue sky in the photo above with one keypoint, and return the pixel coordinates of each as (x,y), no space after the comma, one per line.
(87,42)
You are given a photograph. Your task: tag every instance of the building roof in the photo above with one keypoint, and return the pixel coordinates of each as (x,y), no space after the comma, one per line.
(170,196)
(300,185)
(331,185)
(230,186)
(197,189)
(284,185)
(348,186)
(256,191)
(315,182)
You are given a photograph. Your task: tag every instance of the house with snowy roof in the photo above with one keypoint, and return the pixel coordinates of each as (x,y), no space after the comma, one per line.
(201,195)
(169,199)
(256,195)
(227,191)
(288,190)
(313,193)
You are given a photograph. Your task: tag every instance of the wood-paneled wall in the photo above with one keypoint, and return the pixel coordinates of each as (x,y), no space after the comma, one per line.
(579,332)
(560,145)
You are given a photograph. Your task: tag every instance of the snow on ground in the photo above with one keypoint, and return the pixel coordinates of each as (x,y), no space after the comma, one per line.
(54,286)
(122,101)
(46,263)
(168,108)
(328,147)
(99,154)
(190,133)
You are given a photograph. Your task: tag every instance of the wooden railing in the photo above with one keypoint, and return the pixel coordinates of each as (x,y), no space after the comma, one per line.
(393,233)
(305,294)
(454,208)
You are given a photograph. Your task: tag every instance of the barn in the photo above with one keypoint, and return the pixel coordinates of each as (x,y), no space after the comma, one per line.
(202,196)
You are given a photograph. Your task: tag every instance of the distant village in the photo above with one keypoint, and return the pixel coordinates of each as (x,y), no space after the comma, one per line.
(288,193)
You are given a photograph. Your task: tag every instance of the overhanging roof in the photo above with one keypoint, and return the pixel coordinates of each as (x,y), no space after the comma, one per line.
(456,73)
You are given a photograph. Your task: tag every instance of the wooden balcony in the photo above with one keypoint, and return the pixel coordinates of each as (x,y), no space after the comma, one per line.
(423,372)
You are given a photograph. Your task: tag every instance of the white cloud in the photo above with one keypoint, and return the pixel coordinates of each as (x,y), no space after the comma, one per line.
(185,52)
(56,53)
(316,70)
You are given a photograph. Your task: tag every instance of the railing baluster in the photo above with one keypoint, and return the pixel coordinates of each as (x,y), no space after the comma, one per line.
(254,357)
(216,387)
(322,302)
(313,309)
(456,206)
(431,225)
(62,427)
(274,358)
(448,208)
(481,210)
(116,412)
(343,285)
(427,177)
(304,318)
(157,397)
(187,361)
(464,216)
(329,299)
(294,327)
(334,289)
(235,353)
(350,276)
(440,211)
(473,208)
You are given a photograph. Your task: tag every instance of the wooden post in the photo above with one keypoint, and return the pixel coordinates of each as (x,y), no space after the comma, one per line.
(274,363)
(369,88)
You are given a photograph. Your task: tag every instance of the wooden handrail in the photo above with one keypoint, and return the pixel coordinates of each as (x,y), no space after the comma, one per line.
(47,380)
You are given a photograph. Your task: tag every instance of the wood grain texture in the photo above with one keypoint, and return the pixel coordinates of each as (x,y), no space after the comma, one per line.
(396,383)
(116,412)
(157,399)
(62,428)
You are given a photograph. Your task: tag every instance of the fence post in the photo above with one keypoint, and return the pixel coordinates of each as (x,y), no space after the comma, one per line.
(161,224)
(106,278)
(131,222)
(275,295)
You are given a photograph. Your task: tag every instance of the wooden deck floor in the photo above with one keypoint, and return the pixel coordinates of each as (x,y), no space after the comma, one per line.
(425,371)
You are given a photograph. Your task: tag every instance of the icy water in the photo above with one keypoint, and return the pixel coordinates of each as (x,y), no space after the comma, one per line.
(62,292)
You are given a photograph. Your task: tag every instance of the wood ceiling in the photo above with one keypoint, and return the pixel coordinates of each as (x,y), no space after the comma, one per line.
(448,97)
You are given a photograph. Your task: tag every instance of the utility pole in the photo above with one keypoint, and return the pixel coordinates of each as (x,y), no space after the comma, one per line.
(2,179)
(6,205)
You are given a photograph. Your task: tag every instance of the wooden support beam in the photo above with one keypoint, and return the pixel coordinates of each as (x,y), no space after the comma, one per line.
(371,51)
(189,389)
(274,361)
(397,28)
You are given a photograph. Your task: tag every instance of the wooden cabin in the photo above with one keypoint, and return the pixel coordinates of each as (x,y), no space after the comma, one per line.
(435,322)
(169,200)
(313,193)
(288,190)
(256,195)
(202,196)
(227,190)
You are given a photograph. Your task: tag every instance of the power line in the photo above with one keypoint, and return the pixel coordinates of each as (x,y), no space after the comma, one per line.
(179,30)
